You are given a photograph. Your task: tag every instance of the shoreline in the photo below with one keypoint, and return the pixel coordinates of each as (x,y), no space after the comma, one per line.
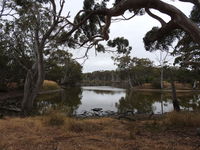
(165,90)
(14,94)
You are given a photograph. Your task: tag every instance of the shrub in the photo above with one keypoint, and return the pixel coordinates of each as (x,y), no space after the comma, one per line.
(54,118)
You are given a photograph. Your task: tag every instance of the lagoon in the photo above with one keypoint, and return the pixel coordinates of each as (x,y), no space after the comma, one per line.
(79,100)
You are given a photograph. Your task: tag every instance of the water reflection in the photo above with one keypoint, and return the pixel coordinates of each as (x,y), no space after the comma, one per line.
(190,101)
(134,102)
(103,92)
(78,100)
(103,97)
(156,102)
(67,100)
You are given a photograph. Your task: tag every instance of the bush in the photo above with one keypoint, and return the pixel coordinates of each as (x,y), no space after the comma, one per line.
(55,118)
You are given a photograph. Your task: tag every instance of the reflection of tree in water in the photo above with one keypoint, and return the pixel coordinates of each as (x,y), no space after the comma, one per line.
(139,102)
(142,102)
(102,92)
(67,100)
(190,101)
(71,98)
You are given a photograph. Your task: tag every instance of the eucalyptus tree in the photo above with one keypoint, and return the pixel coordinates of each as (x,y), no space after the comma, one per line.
(33,31)
(55,64)
(188,51)
(123,58)
(136,70)
(6,8)
(99,19)
(7,63)
(184,47)
(72,73)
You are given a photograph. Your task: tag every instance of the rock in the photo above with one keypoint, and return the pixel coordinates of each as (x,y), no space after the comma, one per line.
(129,112)
(15,109)
(97,109)
(187,138)
(109,113)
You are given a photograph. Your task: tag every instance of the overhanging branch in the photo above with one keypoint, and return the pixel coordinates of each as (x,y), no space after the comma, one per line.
(162,22)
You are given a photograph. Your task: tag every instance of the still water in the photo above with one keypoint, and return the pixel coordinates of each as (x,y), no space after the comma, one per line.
(79,100)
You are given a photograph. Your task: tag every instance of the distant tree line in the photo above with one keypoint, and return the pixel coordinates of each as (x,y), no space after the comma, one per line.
(133,72)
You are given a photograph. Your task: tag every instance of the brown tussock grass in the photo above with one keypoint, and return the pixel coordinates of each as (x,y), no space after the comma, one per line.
(167,85)
(54,118)
(84,126)
(183,119)
(35,133)
(50,85)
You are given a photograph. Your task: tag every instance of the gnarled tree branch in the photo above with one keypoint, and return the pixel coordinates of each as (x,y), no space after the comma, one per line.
(162,22)
(178,19)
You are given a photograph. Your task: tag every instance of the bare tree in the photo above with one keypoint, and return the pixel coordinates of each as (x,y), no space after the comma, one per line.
(162,59)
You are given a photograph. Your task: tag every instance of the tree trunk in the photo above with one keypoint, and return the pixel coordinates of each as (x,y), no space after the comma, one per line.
(32,86)
(161,86)
(29,93)
(129,81)
(195,84)
(161,103)
(161,78)
(31,90)
(174,98)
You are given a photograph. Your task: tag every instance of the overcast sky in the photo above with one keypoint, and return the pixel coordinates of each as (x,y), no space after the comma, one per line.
(133,30)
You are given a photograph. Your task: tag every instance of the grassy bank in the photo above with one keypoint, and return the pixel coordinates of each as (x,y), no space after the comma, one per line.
(47,87)
(57,132)
(50,85)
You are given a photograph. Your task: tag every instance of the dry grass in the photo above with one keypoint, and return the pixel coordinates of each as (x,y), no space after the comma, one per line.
(147,86)
(167,85)
(89,134)
(180,86)
(54,118)
(183,86)
(84,126)
(183,119)
(57,118)
(50,85)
